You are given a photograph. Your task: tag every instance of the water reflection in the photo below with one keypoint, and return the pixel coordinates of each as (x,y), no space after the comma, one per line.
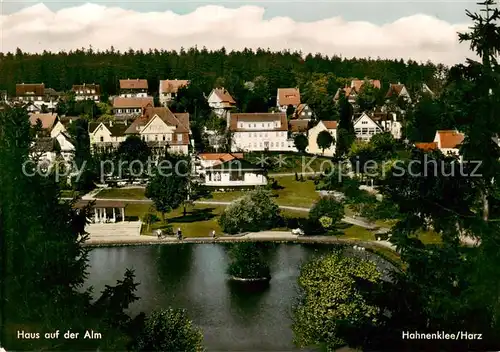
(247,298)
(193,276)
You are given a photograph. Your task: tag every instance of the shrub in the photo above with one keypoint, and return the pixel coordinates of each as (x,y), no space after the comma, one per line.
(170,330)
(255,211)
(327,207)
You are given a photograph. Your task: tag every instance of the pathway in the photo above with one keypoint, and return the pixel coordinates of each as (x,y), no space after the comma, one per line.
(262,236)
(347,219)
(293,174)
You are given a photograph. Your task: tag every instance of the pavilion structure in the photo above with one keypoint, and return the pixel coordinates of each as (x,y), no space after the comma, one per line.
(104,211)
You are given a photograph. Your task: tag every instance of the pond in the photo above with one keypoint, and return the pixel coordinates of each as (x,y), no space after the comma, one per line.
(193,276)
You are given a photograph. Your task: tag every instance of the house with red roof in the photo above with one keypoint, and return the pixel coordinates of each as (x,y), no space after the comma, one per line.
(312,135)
(260,132)
(351,92)
(449,141)
(221,101)
(228,170)
(162,130)
(169,88)
(286,97)
(130,88)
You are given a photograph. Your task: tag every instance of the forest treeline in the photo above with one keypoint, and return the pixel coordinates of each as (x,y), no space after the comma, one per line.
(281,69)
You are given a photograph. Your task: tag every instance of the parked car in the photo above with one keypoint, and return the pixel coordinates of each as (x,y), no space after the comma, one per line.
(298,232)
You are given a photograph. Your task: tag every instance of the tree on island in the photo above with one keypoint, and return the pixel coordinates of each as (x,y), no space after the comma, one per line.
(301,142)
(248,261)
(325,140)
(255,211)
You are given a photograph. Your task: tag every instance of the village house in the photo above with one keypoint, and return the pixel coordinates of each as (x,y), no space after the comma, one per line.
(162,130)
(87,92)
(46,150)
(398,91)
(330,127)
(47,122)
(260,132)
(366,125)
(66,146)
(40,99)
(448,141)
(303,112)
(221,101)
(130,88)
(426,146)
(127,107)
(105,137)
(351,92)
(298,127)
(229,170)
(286,97)
(169,88)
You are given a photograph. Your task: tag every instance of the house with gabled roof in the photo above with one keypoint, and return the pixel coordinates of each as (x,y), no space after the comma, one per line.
(366,127)
(47,122)
(106,136)
(37,97)
(449,141)
(163,130)
(312,135)
(260,132)
(229,170)
(351,92)
(130,88)
(221,101)
(129,107)
(303,112)
(286,97)
(426,146)
(397,91)
(367,124)
(169,88)
(87,92)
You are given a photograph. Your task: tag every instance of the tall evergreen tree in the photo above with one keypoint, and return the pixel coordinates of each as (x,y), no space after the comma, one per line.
(345,128)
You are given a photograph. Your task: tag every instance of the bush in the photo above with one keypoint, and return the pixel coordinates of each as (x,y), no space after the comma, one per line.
(326,208)
(255,211)
(170,330)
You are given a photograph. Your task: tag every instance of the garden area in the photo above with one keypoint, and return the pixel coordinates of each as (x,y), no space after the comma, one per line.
(286,162)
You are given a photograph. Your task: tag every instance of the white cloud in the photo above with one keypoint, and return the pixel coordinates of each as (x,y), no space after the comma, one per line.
(419,37)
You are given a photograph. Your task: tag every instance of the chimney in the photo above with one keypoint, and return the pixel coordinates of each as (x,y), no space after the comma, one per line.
(126,122)
(110,123)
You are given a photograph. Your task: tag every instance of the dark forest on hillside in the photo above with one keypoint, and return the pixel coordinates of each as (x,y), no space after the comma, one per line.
(282,69)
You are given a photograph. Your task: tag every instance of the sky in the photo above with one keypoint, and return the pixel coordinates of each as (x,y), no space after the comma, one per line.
(420,30)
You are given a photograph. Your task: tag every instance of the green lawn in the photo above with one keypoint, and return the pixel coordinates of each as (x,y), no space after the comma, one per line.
(293,162)
(294,193)
(69,194)
(122,193)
